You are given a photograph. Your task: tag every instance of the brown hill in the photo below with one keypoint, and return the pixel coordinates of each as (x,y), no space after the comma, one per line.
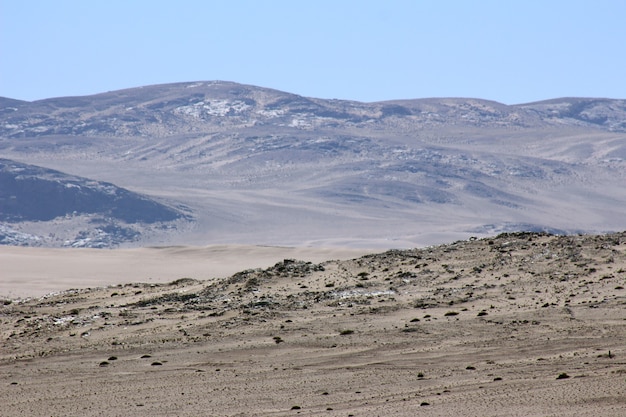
(518,324)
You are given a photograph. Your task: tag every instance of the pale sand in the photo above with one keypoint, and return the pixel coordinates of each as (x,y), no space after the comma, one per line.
(33,272)
(480,328)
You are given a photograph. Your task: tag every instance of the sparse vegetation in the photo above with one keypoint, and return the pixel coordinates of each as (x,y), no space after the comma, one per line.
(224,326)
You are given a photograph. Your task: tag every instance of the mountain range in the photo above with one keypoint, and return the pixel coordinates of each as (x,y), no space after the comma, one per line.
(221,162)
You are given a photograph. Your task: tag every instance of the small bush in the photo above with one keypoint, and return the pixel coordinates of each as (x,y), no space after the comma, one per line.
(562,375)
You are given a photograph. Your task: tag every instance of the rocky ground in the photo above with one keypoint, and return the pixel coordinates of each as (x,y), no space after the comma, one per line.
(520,324)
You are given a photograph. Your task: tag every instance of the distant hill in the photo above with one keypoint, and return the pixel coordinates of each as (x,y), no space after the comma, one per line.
(164,110)
(30,193)
(257,165)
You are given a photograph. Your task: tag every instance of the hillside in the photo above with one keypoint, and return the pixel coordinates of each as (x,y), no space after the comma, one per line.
(474,327)
(32,195)
(260,166)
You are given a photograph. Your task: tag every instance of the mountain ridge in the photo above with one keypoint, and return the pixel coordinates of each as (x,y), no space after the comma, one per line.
(32,194)
(165,104)
(191,84)
(257,165)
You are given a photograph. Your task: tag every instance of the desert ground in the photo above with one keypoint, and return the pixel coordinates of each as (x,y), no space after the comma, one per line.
(34,272)
(518,324)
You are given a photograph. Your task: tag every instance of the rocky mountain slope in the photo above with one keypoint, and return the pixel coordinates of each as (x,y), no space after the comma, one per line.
(257,165)
(31,194)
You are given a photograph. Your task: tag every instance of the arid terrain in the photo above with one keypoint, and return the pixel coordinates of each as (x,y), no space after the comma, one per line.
(214,162)
(518,324)
(213,248)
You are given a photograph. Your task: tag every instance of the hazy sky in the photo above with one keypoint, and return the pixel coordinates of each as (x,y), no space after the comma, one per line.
(510,51)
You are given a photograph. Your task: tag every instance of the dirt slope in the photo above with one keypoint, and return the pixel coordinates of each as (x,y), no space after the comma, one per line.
(515,325)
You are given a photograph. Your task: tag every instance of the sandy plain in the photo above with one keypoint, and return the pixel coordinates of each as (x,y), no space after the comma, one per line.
(34,272)
(513,325)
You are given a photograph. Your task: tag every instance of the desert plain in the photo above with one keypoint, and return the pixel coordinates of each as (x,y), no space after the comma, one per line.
(518,324)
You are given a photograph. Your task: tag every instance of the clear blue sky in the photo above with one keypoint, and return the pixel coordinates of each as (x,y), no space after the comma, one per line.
(512,51)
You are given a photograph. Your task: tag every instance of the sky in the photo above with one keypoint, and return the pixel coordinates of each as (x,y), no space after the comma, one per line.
(511,51)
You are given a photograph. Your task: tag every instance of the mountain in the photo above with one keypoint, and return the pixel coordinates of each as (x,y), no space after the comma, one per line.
(256,165)
(32,194)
